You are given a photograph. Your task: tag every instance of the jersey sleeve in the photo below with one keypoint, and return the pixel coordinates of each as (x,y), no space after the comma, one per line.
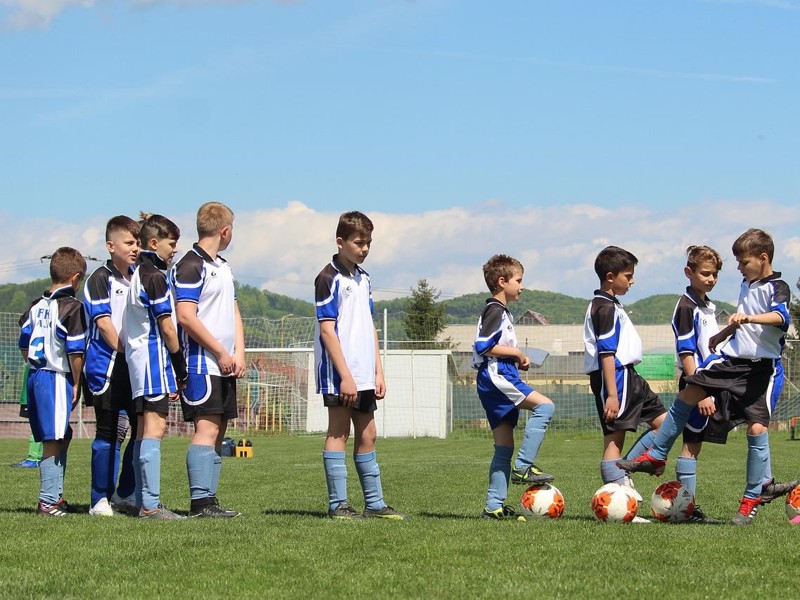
(187,279)
(604,321)
(683,326)
(326,291)
(25,330)
(491,329)
(157,290)
(781,298)
(96,299)
(72,327)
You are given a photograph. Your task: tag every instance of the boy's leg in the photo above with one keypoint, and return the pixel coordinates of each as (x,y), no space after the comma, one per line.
(686,466)
(137,460)
(500,467)
(127,476)
(541,408)
(333,457)
(642,444)
(103,455)
(155,424)
(200,461)
(50,473)
(612,450)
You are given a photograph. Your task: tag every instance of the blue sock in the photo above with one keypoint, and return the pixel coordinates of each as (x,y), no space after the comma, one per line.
(102,470)
(686,472)
(61,460)
(200,466)
(127,474)
(335,476)
(757,457)
(216,472)
(49,476)
(673,424)
(370,476)
(499,473)
(768,476)
(644,442)
(533,437)
(610,472)
(150,461)
(115,469)
(137,472)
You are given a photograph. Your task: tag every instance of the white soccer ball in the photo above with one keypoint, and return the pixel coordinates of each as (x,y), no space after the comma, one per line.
(614,503)
(793,503)
(542,501)
(672,502)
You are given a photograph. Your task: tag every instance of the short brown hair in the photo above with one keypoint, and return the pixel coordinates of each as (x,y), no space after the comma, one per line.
(353,222)
(158,227)
(66,262)
(613,259)
(754,242)
(500,265)
(698,254)
(211,217)
(122,223)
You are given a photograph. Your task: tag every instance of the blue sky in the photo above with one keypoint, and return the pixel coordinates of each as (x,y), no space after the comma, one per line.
(439,117)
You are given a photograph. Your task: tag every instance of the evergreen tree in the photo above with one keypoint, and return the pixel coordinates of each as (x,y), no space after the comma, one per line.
(424,319)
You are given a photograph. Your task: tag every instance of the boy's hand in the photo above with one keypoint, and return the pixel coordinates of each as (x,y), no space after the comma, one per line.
(226,363)
(239,366)
(173,397)
(612,408)
(380,387)
(524,362)
(76,396)
(348,392)
(707,407)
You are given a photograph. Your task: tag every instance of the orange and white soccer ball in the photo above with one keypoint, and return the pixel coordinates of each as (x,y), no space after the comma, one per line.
(542,501)
(793,503)
(672,502)
(614,503)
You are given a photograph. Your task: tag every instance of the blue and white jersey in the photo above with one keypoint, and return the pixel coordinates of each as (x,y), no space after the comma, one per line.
(607,329)
(495,328)
(345,298)
(52,329)
(149,298)
(770,294)
(694,322)
(104,295)
(207,283)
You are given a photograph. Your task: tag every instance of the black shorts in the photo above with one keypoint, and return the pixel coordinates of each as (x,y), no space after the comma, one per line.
(638,403)
(158,403)
(209,395)
(365,401)
(117,395)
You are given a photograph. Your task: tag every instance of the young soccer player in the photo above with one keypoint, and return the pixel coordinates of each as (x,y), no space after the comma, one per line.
(349,374)
(105,297)
(53,340)
(502,392)
(612,348)
(212,338)
(747,372)
(156,365)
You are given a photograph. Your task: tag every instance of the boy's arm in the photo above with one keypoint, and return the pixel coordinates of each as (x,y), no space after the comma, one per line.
(187,317)
(769,318)
(170,336)
(347,388)
(76,366)
(380,382)
(239,362)
(509,352)
(111,336)
(610,383)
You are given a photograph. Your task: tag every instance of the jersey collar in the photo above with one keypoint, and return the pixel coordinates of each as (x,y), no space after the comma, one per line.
(148,256)
(342,269)
(115,271)
(775,275)
(607,296)
(205,255)
(62,292)
(692,295)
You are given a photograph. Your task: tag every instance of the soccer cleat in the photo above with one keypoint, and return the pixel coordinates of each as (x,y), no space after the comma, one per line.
(643,464)
(628,483)
(232,513)
(27,464)
(345,512)
(748,507)
(50,510)
(160,512)
(698,516)
(124,505)
(501,514)
(795,520)
(532,475)
(212,511)
(641,521)
(101,509)
(772,490)
(65,506)
(387,512)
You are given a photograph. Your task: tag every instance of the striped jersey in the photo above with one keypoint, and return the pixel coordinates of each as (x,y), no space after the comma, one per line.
(770,294)
(207,283)
(345,298)
(495,328)
(607,329)
(104,295)
(694,322)
(52,329)
(149,298)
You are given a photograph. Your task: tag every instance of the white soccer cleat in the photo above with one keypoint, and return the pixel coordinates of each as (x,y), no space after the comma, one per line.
(640,520)
(101,509)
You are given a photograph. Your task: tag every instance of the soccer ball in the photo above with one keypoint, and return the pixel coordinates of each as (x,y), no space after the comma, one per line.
(614,503)
(793,503)
(672,502)
(542,501)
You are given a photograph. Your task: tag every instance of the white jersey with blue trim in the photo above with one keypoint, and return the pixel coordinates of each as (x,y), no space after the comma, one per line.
(207,283)
(694,323)
(104,295)
(52,329)
(345,298)
(495,328)
(607,329)
(770,294)
(149,299)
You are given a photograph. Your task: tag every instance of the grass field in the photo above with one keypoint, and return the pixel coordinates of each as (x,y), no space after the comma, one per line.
(284,547)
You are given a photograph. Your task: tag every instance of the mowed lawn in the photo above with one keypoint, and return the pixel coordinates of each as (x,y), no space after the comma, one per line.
(284,546)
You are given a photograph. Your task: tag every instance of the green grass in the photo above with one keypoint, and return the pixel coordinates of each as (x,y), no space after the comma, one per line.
(283,546)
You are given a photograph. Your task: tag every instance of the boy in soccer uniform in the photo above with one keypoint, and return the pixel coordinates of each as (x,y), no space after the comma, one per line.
(34,448)
(156,365)
(105,370)
(52,341)
(502,392)
(349,374)
(212,338)
(747,372)
(612,348)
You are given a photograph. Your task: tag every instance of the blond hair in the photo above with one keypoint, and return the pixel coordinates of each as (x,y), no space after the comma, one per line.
(211,217)
(699,254)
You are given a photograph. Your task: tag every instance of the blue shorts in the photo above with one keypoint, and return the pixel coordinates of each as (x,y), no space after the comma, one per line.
(501,390)
(49,405)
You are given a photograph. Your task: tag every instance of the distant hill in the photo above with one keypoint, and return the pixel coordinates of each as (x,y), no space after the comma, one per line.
(658,308)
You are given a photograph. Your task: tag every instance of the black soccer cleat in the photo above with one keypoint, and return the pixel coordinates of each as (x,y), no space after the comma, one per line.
(773,489)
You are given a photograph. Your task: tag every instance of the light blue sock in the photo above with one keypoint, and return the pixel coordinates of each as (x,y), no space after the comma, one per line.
(673,424)
(216,472)
(644,442)
(610,472)
(370,476)
(49,476)
(61,460)
(533,437)
(686,472)
(200,467)
(102,470)
(757,457)
(137,472)
(335,476)
(127,474)
(150,461)
(768,476)
(499,473)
